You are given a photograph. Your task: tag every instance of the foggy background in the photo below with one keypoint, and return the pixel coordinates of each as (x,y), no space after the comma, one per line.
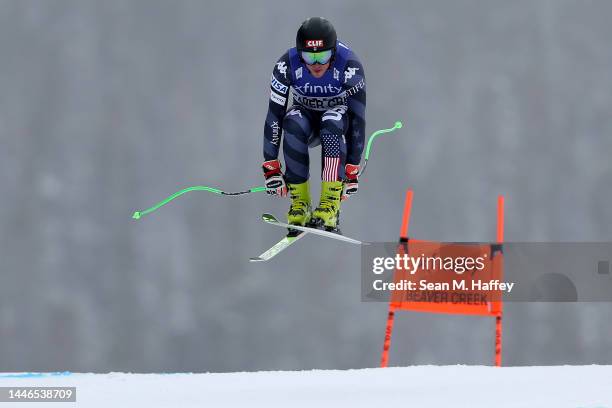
(107,107)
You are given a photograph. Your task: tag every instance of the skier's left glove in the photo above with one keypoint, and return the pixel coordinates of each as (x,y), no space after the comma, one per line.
(275,182)
(351,180)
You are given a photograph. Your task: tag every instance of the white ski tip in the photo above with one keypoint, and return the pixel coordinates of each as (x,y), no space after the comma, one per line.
(256,259)
(269,218)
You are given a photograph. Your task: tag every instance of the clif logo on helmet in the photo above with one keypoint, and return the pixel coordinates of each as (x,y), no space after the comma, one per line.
(316,34)
(313,43)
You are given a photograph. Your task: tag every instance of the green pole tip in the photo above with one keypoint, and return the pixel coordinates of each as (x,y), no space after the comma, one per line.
(136,215)
(398,125)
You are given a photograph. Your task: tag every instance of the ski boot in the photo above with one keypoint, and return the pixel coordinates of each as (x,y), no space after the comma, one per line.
(300,211)
(327,214)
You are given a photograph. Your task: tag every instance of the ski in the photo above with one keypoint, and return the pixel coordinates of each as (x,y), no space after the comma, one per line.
(270,219)
(277,248)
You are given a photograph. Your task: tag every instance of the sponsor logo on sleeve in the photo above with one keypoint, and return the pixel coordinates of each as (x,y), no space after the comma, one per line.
(282,68)
(275,134)
(278,85)
(349,73)
(355,88)
(274,97)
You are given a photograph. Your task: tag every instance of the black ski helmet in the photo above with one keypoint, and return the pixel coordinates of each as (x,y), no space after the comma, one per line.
(316,34)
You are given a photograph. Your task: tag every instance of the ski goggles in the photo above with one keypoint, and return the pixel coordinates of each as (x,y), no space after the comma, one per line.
(321,57)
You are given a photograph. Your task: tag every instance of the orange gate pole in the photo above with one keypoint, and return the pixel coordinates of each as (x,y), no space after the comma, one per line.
(498,318)
(384,360)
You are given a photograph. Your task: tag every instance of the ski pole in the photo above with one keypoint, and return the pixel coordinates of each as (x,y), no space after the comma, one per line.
(397,125)
(138,214)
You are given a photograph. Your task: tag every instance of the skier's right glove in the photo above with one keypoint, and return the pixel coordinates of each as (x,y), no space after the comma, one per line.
(351,180)
(275,183)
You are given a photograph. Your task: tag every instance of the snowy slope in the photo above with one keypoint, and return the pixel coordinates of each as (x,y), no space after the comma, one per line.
(419,386)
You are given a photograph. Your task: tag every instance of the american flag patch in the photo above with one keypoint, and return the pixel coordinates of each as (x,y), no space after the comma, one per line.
(330,168)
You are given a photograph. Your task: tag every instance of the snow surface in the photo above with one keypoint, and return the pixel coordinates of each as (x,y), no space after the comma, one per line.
(417,386)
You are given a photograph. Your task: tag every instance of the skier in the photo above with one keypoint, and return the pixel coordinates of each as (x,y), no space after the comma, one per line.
(329,100)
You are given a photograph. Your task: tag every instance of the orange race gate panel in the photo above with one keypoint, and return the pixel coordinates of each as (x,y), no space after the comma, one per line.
(448,271)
